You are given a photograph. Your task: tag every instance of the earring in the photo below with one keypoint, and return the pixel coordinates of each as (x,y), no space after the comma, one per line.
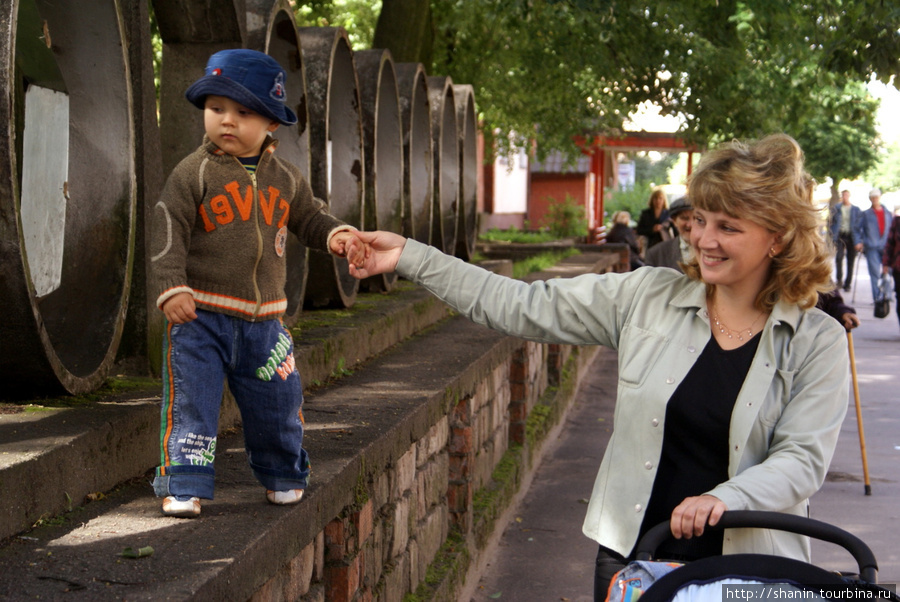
(772,253)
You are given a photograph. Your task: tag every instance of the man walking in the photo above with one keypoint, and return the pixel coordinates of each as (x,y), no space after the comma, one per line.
(847,235)
(876,225)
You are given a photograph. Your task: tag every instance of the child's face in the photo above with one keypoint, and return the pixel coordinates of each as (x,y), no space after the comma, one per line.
(234,128)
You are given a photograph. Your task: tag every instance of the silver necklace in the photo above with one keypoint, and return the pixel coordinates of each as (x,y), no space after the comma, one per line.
(731,332)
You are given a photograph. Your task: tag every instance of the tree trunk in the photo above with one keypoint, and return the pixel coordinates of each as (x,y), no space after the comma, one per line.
(405,28)
(835,195)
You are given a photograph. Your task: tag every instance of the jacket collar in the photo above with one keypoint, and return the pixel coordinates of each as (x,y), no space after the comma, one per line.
(693,295)
(268,147)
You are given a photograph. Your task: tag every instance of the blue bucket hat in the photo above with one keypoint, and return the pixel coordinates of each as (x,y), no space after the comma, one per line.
(249,77)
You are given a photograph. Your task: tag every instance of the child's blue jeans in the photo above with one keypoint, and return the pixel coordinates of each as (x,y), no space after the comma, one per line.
(257,359)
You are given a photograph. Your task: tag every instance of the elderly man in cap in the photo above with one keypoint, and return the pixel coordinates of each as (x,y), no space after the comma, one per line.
(876,226)
(671,252)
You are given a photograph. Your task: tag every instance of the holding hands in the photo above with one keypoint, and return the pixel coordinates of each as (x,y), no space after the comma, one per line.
(347,244)
(380,251)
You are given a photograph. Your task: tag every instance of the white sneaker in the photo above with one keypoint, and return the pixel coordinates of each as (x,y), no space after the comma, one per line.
(283,498)
(188,508)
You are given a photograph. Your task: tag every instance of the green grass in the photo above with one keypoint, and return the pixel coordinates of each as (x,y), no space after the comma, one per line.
(541,262)
(513,234)
(119,385)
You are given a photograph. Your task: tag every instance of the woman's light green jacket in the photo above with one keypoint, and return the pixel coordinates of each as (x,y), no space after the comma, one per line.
(784,425)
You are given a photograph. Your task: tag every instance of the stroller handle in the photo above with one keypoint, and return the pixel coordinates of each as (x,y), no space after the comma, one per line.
(738,519)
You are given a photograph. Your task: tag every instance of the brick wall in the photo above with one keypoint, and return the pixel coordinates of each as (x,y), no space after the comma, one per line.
(411,526)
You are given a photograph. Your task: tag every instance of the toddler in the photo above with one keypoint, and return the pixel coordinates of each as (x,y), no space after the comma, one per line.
(217,253)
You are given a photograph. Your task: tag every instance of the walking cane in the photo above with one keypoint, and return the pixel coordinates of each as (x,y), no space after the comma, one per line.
(859,420)
(855,279)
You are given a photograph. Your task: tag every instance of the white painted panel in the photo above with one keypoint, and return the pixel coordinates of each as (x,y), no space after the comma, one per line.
(45,167)
(329,158)
(511,184)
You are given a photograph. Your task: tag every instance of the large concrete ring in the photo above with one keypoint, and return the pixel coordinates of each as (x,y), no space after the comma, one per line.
(383,150)
(467,230)
(336,147)
(282,43)
(67,194)
(418,164)
(444,133)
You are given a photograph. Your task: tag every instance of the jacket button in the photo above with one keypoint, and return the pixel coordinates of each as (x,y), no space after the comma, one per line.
(638,507)
(670,380)
(691,349)
(648,465)
(655,422)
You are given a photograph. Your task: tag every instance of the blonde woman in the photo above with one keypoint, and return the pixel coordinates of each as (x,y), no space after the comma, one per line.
(654,222)
(732,386)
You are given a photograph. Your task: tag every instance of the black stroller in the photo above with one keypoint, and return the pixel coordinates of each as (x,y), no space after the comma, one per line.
(746,577)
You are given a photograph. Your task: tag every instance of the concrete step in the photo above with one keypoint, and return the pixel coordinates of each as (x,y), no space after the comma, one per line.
(56,453)
(93,462)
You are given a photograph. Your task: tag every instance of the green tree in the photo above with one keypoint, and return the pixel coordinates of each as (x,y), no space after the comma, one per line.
(653,172)
(840,138)
(548,70)
(886,173)
(358,17)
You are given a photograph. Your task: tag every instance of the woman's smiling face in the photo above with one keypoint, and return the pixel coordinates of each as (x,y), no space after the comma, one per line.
(732,252)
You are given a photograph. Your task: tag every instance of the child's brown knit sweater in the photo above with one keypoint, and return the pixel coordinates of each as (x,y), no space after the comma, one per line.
(219,233)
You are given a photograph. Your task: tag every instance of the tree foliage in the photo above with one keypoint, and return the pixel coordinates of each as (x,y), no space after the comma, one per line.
(839,139)
(548,70)
(886,173)
(358,17)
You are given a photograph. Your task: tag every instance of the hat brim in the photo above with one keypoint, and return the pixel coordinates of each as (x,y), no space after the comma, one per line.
(217,85)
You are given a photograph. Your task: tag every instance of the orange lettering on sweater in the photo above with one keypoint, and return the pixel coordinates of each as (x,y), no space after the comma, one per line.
(223,211)
(284,216)
(207,223)
(245,203)
(268,205)
(222,208)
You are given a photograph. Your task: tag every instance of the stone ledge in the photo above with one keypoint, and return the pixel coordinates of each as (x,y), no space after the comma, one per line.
(241,545)
(52,458)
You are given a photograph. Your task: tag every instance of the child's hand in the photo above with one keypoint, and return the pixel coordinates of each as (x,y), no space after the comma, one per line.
(180,308)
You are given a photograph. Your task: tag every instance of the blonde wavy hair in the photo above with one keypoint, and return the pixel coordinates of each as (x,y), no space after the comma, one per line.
(657,193)
(765,182)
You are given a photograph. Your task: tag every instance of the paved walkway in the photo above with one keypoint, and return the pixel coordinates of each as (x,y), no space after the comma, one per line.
(543,556)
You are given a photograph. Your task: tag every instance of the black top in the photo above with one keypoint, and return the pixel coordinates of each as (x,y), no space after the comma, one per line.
(645,224)
(694,457)
(624,234)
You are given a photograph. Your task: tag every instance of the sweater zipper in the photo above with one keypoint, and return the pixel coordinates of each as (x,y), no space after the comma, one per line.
(259,247)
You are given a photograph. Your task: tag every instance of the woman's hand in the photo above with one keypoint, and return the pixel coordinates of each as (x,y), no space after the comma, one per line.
(692,515)
(382,253)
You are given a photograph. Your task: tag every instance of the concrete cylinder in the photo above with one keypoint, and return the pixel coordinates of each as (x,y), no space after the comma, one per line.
(336,151)
(191,31)
(466,122)
(383,150)
(445,137)
(282,42)
(418,163)
(67,194)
